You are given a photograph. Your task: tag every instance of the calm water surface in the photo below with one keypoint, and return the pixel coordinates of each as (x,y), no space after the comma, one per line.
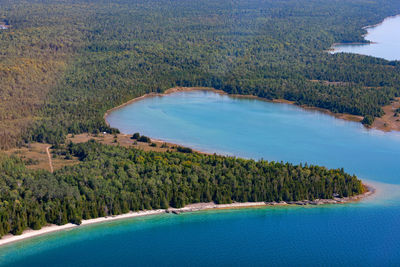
(385,38)
(365,233)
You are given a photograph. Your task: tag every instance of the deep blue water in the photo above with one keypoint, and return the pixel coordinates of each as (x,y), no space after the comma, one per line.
(385,40)
(365,233)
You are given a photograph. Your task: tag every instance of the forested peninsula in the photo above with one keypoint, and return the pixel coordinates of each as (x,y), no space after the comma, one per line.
(64,63)
(111,180)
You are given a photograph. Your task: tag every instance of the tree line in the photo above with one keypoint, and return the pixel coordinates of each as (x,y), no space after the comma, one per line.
(111,180)
(64,64)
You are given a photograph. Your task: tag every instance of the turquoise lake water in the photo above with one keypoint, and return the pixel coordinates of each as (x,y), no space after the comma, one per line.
(365,233)
(385,38)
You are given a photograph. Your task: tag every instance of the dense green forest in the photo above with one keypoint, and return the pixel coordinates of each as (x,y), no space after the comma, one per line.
(64,63)
(113,180)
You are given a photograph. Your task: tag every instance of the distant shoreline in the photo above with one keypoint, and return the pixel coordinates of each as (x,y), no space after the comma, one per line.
(27,234)
(380,23)
(367,42)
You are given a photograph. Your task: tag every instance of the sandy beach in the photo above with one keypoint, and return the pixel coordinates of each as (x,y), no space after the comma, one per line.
(8,239)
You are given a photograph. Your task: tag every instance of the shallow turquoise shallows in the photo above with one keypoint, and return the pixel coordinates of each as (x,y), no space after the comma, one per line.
(385,40)
(365,233)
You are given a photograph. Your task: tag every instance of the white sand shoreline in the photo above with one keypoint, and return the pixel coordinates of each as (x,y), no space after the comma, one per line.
(27,234)
(7,239)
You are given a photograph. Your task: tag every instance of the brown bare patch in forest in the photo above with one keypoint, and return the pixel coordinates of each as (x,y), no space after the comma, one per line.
(391,120)
(125,141)
(36,158)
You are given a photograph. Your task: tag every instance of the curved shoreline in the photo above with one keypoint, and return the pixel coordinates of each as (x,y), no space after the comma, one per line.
(342,116)
(367,42)
(28,234)
(380,23)
(166,92)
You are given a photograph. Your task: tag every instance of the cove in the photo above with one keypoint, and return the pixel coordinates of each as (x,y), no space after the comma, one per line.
(364,233)
(385,38)
(257,129)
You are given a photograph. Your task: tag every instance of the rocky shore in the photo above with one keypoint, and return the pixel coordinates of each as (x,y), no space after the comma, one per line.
(211,205)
